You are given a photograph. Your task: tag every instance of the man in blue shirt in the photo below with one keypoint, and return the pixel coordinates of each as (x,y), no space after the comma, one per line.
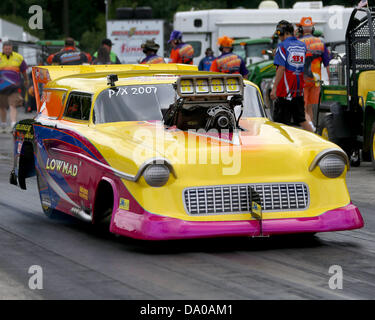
(205,63)
(289,81)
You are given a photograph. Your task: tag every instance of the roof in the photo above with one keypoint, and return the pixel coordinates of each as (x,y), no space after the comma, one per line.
(93,78)
(253,41)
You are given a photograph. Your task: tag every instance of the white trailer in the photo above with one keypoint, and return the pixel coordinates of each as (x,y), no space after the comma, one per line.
(13,32)
(128,35)
(202,28)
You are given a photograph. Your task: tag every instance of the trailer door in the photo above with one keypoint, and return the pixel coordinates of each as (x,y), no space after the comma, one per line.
(200,42)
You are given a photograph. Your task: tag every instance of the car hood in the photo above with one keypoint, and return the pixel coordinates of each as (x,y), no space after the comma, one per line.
(263,146)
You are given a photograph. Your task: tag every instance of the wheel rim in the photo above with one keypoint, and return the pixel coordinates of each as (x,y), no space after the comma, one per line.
(325,133)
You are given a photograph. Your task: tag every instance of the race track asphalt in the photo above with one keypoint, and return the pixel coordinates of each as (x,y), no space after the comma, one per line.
(83,262)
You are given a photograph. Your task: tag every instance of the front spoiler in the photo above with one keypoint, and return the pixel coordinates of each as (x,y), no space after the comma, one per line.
(149,226)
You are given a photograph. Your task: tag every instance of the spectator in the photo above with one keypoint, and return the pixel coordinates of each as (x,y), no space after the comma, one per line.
(228,62)
(102,56)
(316,54)
(107,44)
(181,52)
(11,65)
(69,55)
(288,87)
(205,63)
(150,48)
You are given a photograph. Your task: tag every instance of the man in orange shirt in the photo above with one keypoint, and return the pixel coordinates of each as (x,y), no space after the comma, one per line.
(181,52)
(228,62)
(316,54)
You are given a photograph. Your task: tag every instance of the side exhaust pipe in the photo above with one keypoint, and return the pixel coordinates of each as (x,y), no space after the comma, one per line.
(81,214)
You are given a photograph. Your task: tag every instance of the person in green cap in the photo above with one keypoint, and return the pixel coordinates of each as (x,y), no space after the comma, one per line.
(107,44)
(150,48)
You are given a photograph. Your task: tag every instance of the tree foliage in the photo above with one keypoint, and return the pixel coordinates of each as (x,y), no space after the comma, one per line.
(87,17)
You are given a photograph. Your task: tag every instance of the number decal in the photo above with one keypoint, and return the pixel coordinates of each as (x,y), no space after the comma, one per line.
(217,85)
(202,86)
(232,85)
(187,86)
(121,91)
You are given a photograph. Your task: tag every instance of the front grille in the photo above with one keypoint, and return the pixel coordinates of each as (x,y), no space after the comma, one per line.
(237,198)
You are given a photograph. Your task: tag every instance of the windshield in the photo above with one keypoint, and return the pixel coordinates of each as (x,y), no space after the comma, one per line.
(255,50)
(148,102)
(240,51)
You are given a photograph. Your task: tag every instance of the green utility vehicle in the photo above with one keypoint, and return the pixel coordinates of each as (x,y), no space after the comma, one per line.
(259,61)
(346,112)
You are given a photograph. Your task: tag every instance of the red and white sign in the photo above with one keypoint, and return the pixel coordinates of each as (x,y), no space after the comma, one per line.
(127,37)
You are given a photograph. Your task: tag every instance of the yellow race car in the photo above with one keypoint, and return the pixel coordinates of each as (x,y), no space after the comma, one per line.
(167,152)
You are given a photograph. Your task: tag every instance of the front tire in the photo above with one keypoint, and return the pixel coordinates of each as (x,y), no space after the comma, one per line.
(48,211)
(327,130)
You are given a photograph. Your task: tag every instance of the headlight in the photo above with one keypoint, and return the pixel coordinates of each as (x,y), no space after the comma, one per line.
(331,162)
(332,166)
(156,175)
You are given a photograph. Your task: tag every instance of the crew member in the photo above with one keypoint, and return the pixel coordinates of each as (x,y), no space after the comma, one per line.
(11,65)
(316,54)
(228,62)
(102,56)
(205,63)
(69,55)
(181,52)
(288,86)
(150,48)
(107,44)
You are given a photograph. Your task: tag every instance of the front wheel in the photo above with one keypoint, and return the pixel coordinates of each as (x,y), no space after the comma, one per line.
(355,158)
(45,199)
(326,128)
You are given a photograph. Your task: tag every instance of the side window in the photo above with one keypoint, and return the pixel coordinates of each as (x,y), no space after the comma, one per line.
(78,106)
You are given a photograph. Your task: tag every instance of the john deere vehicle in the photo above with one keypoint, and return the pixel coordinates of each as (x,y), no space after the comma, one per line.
(259,61)
(346,113)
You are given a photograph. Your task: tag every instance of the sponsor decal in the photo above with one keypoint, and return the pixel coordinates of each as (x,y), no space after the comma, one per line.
(296,57)
(25,130)
(83,193)
(62,166)
(134,31)
(256,209)
(124,204)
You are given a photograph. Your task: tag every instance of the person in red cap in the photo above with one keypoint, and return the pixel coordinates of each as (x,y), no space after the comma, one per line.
(316,54)
(228,62)
(181,52)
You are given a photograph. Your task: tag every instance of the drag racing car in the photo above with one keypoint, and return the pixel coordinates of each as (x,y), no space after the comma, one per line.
(167,152)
